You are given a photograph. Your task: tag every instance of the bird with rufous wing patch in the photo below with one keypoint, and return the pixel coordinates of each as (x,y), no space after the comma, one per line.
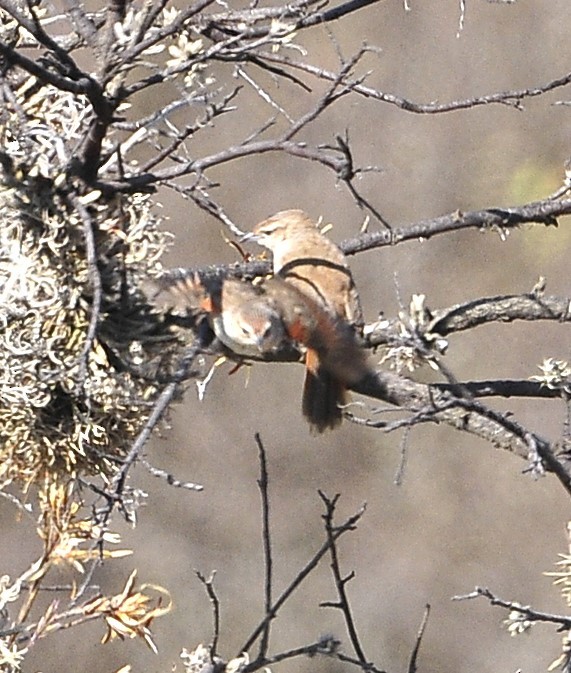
(306,259)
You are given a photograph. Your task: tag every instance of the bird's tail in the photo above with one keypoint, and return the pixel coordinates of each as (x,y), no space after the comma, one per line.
(323,395)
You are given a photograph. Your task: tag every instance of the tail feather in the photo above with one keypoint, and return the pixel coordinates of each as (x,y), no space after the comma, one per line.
(323,395)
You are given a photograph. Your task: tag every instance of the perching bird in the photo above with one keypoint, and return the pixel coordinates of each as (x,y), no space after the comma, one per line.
(307,260)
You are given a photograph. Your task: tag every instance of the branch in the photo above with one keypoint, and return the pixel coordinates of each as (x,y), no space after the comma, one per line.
(170,479)
(468,315)
(542,212)
(143,43)
(160,407)
(511,98)
(430,404)
(412,667)
(208,584)
(340,582)
(530,613)
(232,22)
(33,67)
(503,388)
(335,13)
(501,309)
(348,525)
(334,158)
(266,537)
(35,28)
(141,182)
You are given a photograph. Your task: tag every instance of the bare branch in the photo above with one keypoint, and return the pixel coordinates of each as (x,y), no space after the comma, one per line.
(498,219)
(510,98)
(412,667)
(340,582)
(209,585)
(160,407)
(170,478)
(348,525)
(35,28)
(477,312)
(505,388)
(33,67)
(266,538)
(433,405)
(336,13)
(528,612)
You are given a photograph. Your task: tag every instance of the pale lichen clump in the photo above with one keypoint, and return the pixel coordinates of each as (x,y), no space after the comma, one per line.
(73,326)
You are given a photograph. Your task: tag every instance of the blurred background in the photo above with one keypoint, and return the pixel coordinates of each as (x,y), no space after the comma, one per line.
(465,514)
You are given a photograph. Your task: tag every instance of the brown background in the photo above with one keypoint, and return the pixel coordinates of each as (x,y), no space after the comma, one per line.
(465,514)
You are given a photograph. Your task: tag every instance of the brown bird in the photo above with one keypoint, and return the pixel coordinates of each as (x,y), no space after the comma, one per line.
(310,261)
(317,268)
(333,356)
(239,312)
(260,319)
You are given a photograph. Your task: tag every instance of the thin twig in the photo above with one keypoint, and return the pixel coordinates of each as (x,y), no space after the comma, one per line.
(340,581)
(399,476)
(532,614)
(170,478)
(209,585)
(511,98)
(328,646)
(267,541)
(349,525)
(412,668)
(159,408)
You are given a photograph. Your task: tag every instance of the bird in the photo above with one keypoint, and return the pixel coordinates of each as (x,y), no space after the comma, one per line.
(307,260)
(333,356)
(238,312)
(254,320)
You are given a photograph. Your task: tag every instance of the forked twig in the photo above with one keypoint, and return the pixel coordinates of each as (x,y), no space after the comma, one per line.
(348,525)
(340,581)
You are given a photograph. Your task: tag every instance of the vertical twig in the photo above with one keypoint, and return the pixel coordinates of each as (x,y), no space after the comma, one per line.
(399,476)
(349,524)
(419,635)
(95,279)
(209,585)
(340,581)
(114,494)
(159,408)
(268,562)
